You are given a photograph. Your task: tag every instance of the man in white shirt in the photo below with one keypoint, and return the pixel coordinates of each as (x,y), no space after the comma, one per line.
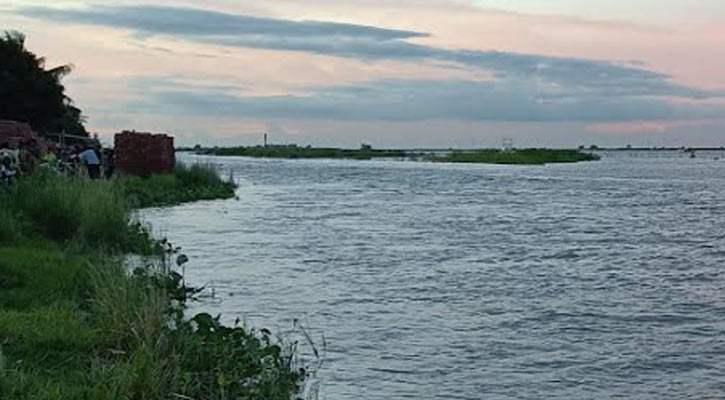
(90,159)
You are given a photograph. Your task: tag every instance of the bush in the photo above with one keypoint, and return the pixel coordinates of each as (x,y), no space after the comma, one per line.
(233,362)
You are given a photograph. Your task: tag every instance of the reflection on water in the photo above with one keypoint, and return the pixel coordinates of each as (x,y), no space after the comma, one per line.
(595,280)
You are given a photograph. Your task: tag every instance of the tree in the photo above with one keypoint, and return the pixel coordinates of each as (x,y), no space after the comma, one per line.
(30,93)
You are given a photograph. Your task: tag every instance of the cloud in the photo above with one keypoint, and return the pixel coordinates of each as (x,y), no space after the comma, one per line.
(654,126)
(371,43)
(197,23)
(418,100)
(524,87)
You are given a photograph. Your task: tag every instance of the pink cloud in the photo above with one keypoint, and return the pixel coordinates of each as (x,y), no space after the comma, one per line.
(651,126)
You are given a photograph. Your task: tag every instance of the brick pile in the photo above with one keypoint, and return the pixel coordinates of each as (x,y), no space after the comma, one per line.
(19,133)
(144,154)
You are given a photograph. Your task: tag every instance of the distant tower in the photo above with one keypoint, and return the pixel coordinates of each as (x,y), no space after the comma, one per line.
(508,144)
(265,140)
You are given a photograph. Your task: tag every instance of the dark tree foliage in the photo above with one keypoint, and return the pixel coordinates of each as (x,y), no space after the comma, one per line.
(30,93)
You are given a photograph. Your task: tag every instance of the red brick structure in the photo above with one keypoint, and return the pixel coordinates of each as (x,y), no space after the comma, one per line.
(19,133)
(144,154)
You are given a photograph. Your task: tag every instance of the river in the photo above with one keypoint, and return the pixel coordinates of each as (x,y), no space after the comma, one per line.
(595,280)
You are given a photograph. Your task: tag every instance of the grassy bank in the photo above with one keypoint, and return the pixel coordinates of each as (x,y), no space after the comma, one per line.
(522,157)
(76,324)
(187,183)
(293,152)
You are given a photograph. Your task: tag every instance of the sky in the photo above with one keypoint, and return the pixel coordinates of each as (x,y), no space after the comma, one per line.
(391,73)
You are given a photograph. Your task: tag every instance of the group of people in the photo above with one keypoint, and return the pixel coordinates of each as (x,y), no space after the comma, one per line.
(17,159)
(98,162)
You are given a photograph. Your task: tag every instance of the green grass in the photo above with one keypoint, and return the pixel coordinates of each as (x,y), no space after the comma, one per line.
(45,337)
(293,152)
(68,211)
(198,182)
(40,275)
(12,224)
(45,353)
(63,208)
(521,157)
(75,324)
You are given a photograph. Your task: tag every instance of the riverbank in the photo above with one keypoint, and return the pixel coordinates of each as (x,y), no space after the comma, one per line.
(74,323)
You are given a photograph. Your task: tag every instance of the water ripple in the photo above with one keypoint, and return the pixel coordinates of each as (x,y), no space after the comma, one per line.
(588,281)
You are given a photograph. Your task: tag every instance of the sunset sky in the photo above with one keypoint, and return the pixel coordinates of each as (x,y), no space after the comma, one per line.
(392,73)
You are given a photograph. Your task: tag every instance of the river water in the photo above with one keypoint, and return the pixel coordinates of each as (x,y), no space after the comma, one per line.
(437,281)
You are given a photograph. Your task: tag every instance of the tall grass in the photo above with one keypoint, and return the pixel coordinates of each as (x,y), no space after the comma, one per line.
(64,208)
(159,352)
(132,318)
(12,225)
(75,324)
(69,209)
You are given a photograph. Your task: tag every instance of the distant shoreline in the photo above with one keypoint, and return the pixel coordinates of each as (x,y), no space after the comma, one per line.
(479,156)
(211,150)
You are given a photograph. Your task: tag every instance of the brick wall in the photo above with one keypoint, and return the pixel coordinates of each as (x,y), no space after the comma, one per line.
(144,154)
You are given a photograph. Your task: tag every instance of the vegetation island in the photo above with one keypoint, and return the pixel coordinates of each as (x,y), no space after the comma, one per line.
(515,156)
(366,152)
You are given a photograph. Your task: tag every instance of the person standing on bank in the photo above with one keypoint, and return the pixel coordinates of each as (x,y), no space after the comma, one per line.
(90,158)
